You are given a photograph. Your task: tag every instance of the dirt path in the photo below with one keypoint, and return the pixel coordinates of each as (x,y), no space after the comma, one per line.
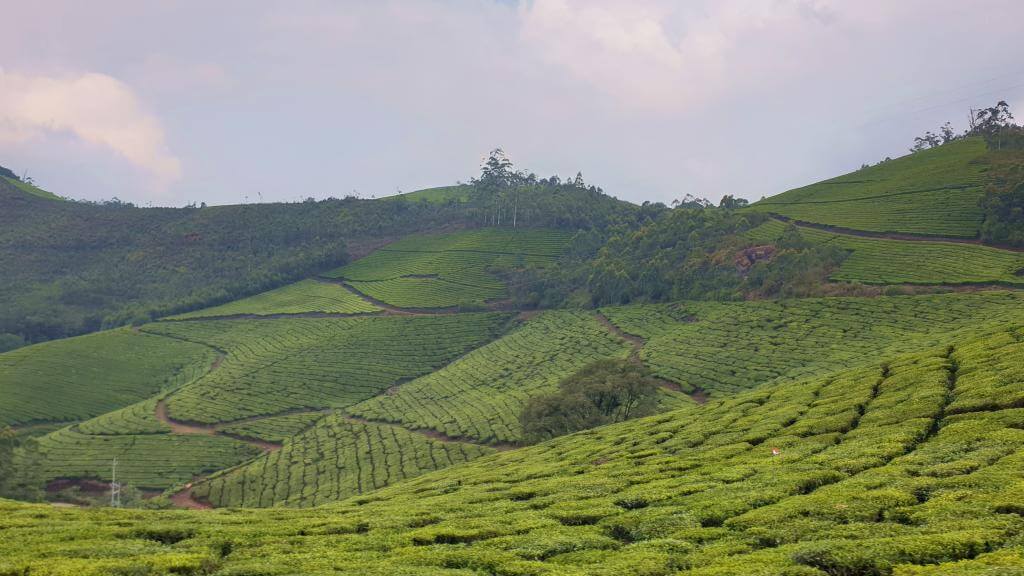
(194,428)
(893,235)
(388,308)
(185,499)
(698,395)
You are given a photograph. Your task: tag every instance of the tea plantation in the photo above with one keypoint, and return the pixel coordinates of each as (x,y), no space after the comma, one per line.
(723,348)
(935,192)
(910,465)
(302,297)
(335,459)
(882,261)
(147,461)
(279,365)
(77,378)
(449,270)
(480,395)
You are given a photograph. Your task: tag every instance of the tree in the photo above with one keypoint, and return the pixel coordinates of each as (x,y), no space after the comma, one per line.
(729,202)
(991,122)
(603,392)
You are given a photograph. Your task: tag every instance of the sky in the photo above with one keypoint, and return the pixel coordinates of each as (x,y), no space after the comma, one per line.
(173,102)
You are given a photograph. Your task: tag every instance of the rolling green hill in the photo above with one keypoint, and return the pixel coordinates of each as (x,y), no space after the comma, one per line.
(305,296)
(885,261)
(81,377)
(450,270)
(936,192)
(910,465)
(372,418)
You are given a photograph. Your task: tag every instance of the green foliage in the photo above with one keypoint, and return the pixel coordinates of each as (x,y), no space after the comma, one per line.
(724,348)
(73,267)
(603,392)
(882,261)
(155,461)
(9,342)
(331,461)
(274,366)
(481,394)
(301,297)
(274,428)
(872,475)
(86,376)
(440,194)
(1003,202)
(933,192)
(452,269)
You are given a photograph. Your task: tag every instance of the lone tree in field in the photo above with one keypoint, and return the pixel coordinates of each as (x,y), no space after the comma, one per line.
(601,393)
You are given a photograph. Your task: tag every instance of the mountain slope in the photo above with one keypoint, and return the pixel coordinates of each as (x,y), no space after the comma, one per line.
(936,192)
(912,466)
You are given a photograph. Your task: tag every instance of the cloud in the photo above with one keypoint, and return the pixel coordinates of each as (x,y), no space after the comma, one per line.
(94,108)
(665,56)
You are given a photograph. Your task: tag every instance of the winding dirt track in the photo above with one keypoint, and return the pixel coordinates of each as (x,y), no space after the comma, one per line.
(698,395)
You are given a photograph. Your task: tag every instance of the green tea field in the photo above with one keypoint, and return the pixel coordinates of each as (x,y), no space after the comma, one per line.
(935,192)
(883,261)
(910,465)
(449,270)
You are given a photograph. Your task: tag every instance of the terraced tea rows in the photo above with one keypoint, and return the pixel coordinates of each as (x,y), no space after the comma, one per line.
(81,377)
(481,395)
(139,418)
(153,461)
(935,192)
(280,365)
(274,428)
(302,297)
(449,270)
(335,459)
(879,470)
(724,348)
(880,261)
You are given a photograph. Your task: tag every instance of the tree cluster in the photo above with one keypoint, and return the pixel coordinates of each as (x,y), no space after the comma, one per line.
(994,123)
(603,392)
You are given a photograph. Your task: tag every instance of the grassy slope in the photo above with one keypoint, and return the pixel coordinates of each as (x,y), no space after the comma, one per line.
(335,459)
(439,194)
(481,394)
(302,297)
(29,189)
(449,270)
(935,192)
(273,366)
(882,261)
(910,465)
(86,376)
(728,347)
(70,267)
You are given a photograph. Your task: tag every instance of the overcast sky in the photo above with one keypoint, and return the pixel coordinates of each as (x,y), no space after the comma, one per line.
(224,102)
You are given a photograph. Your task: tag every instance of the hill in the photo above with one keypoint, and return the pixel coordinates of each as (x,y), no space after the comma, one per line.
(936,192)
(450,270)
(909,465)
(67,268)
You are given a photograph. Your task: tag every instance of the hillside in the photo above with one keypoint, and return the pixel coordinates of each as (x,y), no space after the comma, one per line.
(816,398)
(936,192)
(68,268)
(909,465)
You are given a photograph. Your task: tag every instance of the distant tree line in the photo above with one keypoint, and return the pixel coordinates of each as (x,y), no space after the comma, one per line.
(994,123)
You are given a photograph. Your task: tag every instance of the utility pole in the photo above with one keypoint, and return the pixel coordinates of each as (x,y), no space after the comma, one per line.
(115,488)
